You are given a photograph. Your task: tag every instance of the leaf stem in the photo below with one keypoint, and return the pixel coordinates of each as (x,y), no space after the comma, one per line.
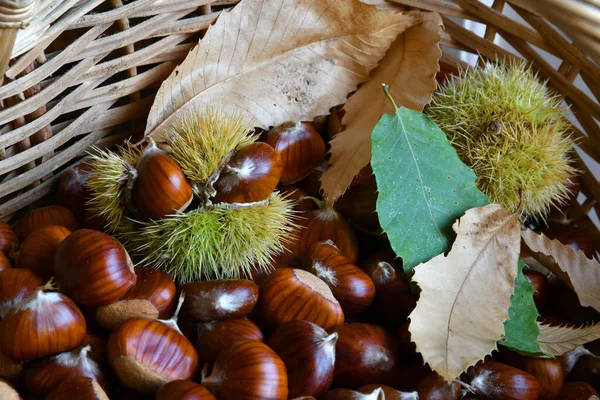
(386,90)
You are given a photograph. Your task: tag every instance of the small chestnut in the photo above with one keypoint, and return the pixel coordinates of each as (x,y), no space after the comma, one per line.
(8,239)
(44,216)
(147,353)
(389,392)
(293,294)
(577,391)
(353,289)
(218,299)
(348,394)
(78,387)
(300,148)
(308,353)
(434,387)
(93,268)
(71,191)
(183,390)
(365,354)
(215,336)
(15,285)
(4,262)
(496,381)
(247,370)
(42,324)
(160,188)
(250,176)
(39,248)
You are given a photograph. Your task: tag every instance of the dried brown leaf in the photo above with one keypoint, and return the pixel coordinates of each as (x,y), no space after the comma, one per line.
(276,61)
(409,68)
(582,274)
(465,296)
(558,340)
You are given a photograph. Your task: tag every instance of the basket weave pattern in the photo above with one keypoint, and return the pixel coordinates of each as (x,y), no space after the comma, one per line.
(85,71)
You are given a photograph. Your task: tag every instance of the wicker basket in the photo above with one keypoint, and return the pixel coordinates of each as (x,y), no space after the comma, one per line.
(84,72)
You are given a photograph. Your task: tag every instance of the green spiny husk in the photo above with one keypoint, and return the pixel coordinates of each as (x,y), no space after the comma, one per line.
(510,129)
(218,242)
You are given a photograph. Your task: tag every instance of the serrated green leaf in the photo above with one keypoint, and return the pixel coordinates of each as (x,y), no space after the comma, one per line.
(521,330)
(423,186)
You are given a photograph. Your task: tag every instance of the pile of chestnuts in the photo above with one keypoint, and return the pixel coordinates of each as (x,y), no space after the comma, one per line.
(81,320)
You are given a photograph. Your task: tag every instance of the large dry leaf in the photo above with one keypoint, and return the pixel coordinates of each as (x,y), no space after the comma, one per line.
(465,296)
(558,340)
(409,68)
(582,274)
(279,60)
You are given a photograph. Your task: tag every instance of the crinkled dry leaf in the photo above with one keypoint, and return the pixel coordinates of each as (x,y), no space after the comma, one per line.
(558,340)
(409,68)
(277,61)
(465,296)
(582,274)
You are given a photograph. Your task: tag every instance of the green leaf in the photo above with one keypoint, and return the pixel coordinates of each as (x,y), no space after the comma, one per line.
(423,186)
(521,330)
(423,189)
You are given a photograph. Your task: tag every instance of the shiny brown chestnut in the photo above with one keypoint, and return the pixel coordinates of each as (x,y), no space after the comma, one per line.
(80,388)
(577,391)
(42,324)
(8,239)
(394,301)
(327,224)
(93,268)
(389,392)
(293,294)
(8,392)
(353,288)
(44,375)
(300,148)
(44,216)
(252,175)
(365,354)
(434,387)
(218,299)
(547,371)
(71,191)
(348,394)
(146,354)
(247,370)
(15,285)
(308,353)
(496,381)
(152,296)
(183,390)
(39,248)
(215,336)
(160,188)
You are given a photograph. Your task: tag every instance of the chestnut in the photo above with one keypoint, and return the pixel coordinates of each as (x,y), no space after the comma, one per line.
(327,224)
(80,388)
(42,324)
(71,191)
(8,239)
(250,176)
(389,392)
(547,371)
(496,381)
(152,296)
(218,299)
(308,353)
(160,188)
(540,285)
(364,354)
(15,285)
(293,294)
(247,370)
(39,248)
(146,354)
(93,268)
(9,369)
(300,148)
(39,217)
(44,375)
(353,289)
(434,387)
(215,336)
(577,391)
(348,394)
(183,390)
